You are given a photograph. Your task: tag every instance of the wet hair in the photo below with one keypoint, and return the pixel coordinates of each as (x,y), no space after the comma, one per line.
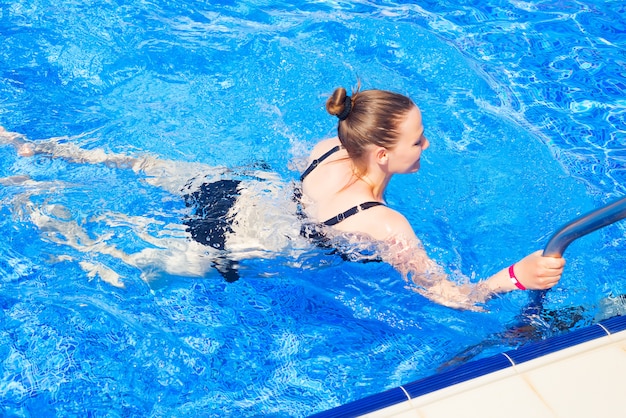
(369,117)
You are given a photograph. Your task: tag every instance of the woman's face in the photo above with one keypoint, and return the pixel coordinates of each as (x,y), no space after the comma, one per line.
(405,156)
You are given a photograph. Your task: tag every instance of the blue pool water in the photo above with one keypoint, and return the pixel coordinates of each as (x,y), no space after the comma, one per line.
(523,104)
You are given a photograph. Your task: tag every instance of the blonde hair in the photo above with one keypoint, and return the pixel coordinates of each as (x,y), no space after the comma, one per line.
(373,119)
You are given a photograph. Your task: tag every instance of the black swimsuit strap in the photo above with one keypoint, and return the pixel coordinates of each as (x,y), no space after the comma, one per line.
(352,211)
(317,161)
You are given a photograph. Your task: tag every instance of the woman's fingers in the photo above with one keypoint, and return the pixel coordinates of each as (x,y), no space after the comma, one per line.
(539,272)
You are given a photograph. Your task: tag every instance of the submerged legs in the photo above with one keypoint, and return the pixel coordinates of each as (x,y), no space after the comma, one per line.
(252,216)
(170,250)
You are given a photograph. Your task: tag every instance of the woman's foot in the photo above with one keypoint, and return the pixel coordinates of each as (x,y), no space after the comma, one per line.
(23,148)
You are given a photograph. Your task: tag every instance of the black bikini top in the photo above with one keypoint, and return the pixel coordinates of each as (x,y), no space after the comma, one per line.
(353,210)
(317,161)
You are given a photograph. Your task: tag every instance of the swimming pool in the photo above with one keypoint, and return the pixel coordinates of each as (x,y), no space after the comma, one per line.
(522,103)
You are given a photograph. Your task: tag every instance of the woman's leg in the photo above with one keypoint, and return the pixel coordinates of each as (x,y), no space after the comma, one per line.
(172,252)
(60,148)
(174,176)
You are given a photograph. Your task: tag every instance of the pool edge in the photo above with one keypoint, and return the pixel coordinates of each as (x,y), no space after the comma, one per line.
(499,363)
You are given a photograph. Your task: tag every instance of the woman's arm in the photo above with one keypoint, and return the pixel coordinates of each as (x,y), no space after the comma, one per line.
(430,280)
(405,252)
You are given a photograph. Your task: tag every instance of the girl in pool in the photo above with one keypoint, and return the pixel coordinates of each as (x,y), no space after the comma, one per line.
(380,134)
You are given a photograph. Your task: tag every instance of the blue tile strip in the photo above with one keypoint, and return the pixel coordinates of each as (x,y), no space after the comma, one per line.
(460,374)
(476,369)
(369,404)
(615,324)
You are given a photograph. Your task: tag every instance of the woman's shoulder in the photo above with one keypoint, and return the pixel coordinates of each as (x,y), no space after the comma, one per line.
(324,145)
(381,223)
(395,222)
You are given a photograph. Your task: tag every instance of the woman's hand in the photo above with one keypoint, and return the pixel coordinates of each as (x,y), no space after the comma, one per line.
(537,272)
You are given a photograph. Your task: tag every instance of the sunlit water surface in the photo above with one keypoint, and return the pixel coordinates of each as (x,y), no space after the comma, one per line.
(523,104)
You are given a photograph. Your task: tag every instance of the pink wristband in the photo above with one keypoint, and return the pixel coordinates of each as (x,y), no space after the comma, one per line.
(514,279)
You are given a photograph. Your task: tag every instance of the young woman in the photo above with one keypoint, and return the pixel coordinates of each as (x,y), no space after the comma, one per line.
(380,134)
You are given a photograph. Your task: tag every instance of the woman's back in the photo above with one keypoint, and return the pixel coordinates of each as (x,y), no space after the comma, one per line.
(331,189)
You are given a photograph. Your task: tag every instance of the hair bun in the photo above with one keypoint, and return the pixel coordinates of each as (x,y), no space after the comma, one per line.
(347,107)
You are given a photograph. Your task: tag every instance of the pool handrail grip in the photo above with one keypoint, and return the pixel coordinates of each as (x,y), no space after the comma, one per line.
(584,225)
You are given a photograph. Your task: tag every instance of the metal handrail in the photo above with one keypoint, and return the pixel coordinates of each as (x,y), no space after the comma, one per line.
(584,225)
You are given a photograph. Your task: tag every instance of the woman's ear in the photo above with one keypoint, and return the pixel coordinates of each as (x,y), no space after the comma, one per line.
(382,155)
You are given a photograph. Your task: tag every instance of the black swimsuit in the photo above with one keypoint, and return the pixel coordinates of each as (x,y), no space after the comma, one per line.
(209,223)
(353,210)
